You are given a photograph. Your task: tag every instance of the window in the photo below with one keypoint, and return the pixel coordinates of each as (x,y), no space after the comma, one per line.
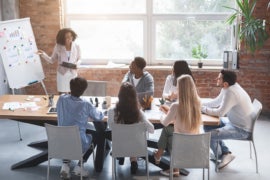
(161,31)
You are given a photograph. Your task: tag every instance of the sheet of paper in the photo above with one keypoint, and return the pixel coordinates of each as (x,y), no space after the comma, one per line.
(11,105)
(18,105)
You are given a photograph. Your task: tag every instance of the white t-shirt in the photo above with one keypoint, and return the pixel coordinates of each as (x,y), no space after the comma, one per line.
(169,87)
(136,81)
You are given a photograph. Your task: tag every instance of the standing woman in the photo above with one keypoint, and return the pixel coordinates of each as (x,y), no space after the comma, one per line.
(68,55)
(127,111)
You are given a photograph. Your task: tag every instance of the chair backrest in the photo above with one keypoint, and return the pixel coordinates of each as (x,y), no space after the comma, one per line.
(257,108)
(64,142)
(190,151)
(96,88)
(129,140)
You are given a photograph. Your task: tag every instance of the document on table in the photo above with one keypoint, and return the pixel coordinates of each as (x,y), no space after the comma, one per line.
(18,105)
(154,114)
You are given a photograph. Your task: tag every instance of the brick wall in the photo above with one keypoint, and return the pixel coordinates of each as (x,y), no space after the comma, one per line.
(253,74)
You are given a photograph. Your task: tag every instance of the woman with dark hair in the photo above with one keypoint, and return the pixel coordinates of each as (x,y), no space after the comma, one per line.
(127,111)
(68,55)
(170,89)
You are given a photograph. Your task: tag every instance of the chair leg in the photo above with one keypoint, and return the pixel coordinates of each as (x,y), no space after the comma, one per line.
(250,150)
(48,170)
(208,172)
(147,168)
(171,173)
(216,168)
(113,168)
(203,173)
(255,152)
(81,167)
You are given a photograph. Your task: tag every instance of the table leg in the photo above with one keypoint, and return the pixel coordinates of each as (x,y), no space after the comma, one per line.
(39,144)
(32,161)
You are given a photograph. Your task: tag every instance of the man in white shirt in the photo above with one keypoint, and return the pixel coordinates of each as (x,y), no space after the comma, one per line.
(234,102)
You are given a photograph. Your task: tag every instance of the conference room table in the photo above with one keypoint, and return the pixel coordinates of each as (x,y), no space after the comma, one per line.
(33,109)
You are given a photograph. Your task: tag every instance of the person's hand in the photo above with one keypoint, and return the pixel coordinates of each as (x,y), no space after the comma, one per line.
(40,52)
(203,109)
(172,96)
(164,108)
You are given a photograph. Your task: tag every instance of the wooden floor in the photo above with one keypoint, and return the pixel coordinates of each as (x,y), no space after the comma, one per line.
(13,150)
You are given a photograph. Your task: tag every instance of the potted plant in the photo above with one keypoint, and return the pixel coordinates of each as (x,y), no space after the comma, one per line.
(199,53)
(251,30)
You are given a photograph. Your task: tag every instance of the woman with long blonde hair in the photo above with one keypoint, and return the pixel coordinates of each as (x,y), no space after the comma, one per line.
(183,116)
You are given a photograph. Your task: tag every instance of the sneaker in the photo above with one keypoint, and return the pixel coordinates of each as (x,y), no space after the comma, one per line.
(65,171)
(78,171)
(225,160)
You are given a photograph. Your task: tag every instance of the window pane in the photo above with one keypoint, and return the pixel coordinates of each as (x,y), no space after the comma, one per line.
(175,39)
(105,6)
(109,39)
(191,6)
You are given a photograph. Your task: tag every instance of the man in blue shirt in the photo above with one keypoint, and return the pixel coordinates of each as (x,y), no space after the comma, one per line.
(72,110)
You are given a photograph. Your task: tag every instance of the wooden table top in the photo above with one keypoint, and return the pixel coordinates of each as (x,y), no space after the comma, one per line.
(40,112)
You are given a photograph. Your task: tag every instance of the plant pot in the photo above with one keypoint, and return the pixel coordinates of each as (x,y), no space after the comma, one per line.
(200,64)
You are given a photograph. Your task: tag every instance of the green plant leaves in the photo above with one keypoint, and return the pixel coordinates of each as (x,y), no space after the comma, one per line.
(252,31)
(199,52)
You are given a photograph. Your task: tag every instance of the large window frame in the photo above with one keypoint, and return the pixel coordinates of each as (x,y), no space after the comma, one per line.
(149,20)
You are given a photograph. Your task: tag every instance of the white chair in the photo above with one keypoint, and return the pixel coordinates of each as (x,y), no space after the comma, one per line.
(129,140)
(96,88)
(257,108)
(190,151)
(64,142)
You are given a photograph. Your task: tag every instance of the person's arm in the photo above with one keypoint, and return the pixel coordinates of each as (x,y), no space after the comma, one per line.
(214,103)
(228,101)
(171,114)
(94,113)
(49,59)
(149,125)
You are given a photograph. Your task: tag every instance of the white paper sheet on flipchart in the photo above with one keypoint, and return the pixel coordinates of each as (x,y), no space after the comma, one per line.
(18,105)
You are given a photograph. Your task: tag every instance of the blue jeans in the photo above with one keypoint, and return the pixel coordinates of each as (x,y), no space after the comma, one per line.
(225,130)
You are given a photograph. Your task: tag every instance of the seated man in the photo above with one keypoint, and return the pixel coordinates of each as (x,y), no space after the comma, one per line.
(234,102)
(72,110)
(142,80)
